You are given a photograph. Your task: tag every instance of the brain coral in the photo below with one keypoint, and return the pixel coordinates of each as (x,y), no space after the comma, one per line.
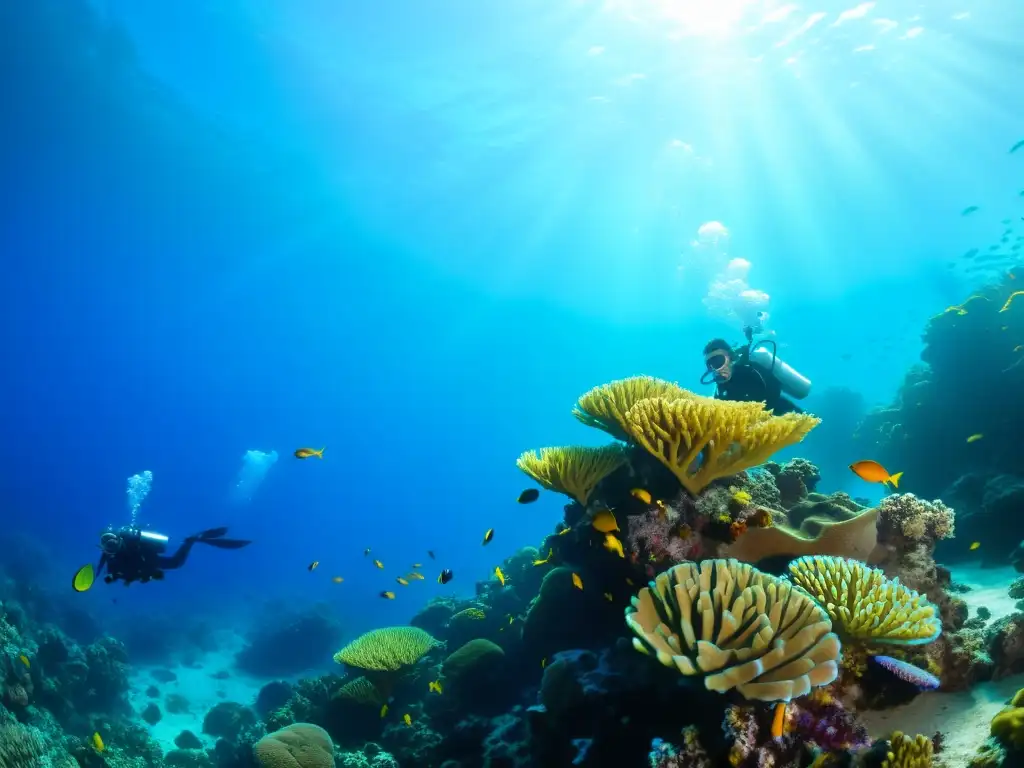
(864,603)
(387,650)
(737,627)
(472,658)
(300,745)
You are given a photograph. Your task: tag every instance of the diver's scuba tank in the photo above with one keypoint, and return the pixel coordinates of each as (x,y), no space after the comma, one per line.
(155,541)
(793,383)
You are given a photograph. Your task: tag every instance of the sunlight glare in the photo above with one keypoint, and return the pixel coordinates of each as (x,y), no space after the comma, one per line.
(701,18)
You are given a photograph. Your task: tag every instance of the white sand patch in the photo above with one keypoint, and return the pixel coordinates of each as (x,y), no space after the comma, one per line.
(963,718)
(200,688)
(990,587)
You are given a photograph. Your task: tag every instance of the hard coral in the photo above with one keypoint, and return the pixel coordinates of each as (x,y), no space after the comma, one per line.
(572,470)
(914,519)
(296,746)
(908,752)
(765,639)
(387,650)
(605,407)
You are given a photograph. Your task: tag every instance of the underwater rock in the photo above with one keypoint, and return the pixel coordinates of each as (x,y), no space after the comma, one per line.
(177,704)
(435,616)
(151,714)
(228,720)
(855,538)
(794,480)
(187,758)
(153,692)
(1005,641)
(187,740)
(282,644)
(163,675)
(562,616)
(834,507)
(273,695)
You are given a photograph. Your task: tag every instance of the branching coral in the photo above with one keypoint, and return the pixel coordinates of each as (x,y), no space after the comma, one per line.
(864,604)
(605,407)
(572,470)
(915,519)
(908,752)
(737,627)
(19,747)
(701,439)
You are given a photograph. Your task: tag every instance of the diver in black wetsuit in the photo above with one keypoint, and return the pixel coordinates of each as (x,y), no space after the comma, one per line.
(130,554)
(752,373)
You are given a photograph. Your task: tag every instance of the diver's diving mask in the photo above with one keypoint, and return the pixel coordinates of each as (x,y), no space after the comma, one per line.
(719,365)
(110,543)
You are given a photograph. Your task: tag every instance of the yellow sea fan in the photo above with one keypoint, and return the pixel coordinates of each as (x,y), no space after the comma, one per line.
(736,627)
(864,603)
(605,407)
(702,439)
(387,650)
(572,470)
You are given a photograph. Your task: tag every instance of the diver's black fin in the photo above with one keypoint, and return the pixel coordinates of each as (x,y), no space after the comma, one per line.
(226,543)
(212,533)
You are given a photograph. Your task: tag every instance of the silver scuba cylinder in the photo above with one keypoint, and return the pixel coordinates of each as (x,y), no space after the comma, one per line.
(793,383)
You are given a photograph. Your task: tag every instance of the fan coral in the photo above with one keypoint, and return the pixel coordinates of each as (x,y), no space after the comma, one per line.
(916,519)
(605,407)
(387,650)
(908,752)
(864,604)
(738,628)
(702,439)
(573,470)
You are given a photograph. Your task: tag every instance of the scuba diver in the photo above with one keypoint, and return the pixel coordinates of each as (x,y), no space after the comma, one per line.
(131,554)
(752,373)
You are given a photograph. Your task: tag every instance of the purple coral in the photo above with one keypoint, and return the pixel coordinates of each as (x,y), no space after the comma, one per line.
(908,672)
(661,536)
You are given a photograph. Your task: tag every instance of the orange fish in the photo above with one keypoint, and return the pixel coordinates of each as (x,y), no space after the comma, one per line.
(874,472)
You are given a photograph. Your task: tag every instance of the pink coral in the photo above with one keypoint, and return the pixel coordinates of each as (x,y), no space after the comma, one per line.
(655,535)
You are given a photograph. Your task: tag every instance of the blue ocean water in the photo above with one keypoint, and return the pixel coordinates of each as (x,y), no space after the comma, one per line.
(414,233)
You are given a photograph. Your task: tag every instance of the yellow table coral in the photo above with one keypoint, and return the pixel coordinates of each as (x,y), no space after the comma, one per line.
(387,650)
(702,439)
(573,470)
(737,627)
(605,407)
(864,603)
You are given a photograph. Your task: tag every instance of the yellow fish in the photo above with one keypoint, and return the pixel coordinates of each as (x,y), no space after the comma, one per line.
(417,565)
(577,581)
(605,522)
(975,545)
(435,687)
(641,494)
(83,578)
(407,719)
(378,563)
(500,575)
(337,579)
(546,559)
(630,581)
(24,660)
(384,711)
(488,535)
(608,596)
(612,544)
(415,575)
(313,566)
(544,662)
(564,531)
(402,581)
(511,619)
(974,437)
(308,453)
(388,595)
(97,741)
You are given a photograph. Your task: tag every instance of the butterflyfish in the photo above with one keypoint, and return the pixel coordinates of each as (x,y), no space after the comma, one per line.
(975,545)
(445,576)
(407,719)
(605,522)
(500,575)
(83,578)
(612,544)
(488,536)
(642,494)
(577,581)
(97,741)
(308,453)
(24,660)
(874,472)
